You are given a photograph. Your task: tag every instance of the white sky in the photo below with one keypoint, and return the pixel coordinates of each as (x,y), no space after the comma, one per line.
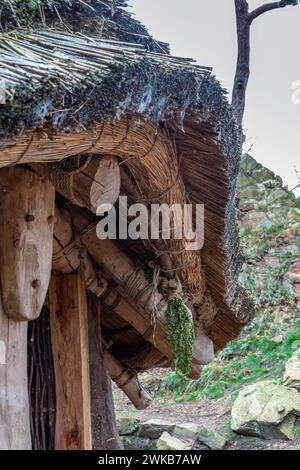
(205,30)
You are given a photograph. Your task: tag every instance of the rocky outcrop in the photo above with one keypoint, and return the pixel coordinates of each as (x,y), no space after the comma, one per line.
(258,190)
(266,410)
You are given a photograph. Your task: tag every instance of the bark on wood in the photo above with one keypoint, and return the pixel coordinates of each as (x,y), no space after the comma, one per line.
(26,227)
(69,335)
(14,402)
(244,19)
(104,428)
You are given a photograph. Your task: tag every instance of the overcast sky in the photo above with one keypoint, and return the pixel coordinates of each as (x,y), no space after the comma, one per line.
(205,30)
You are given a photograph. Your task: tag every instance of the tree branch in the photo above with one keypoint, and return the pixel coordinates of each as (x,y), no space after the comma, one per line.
(270,6)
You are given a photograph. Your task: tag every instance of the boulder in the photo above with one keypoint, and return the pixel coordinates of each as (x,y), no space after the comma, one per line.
(211,438)
(291,376)
(127,425)
(168,442)
(266,410)
(186,431)
(137,443)
(154,428)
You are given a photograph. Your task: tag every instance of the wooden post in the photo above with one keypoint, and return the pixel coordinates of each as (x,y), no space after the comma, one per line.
(69,334)
(26,240)
(104,427)
(14,403)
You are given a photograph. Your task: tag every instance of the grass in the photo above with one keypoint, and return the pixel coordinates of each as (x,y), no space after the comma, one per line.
(264,346)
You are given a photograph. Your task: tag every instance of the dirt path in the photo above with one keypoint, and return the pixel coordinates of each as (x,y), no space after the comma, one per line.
(214,414)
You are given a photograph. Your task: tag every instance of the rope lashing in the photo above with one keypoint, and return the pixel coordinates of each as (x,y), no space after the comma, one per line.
(62,177)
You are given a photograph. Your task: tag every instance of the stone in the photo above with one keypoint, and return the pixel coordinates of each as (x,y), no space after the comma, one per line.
(186,431)
(154,428)
(137,443)
(293,273)
(127,425)
(291,376)
(265,410)
(211,438)
(168,442)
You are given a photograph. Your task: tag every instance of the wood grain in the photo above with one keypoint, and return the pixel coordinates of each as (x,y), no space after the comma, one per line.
(26,228)
(69,334)
(14,403)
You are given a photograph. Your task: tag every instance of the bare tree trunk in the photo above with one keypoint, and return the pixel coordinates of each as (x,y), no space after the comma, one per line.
(104,428)
(244,20)
(243,62)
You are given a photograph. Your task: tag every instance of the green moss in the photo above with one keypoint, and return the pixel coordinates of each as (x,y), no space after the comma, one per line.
(181,335)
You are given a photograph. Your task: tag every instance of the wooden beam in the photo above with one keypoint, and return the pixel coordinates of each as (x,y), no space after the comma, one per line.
(138,313)
(69,334)
(14,402)
(26,231)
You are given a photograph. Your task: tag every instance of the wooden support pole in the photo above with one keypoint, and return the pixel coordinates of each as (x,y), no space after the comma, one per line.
(14,402)
(69,334)
(26,240)
(104,427)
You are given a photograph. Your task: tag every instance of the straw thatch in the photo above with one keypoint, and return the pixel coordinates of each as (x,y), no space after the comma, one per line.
(165,118)
(105,18)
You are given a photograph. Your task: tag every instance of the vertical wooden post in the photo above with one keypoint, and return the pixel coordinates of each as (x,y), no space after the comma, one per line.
(104,427)
(14,403)
(69,335)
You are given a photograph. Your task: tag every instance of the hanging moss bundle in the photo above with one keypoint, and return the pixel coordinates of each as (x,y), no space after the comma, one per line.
(180,334)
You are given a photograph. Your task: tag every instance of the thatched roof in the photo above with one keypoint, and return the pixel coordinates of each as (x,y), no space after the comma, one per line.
(62,90)
(105,18)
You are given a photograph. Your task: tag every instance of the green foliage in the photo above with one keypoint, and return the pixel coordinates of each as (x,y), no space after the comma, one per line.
(180,334)
(266,344)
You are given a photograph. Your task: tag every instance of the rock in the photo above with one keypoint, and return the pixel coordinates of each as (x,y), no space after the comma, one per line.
(291,376)
(294,214)
(278,339)
(211,438)
(168,442)
(127,425)
(186,431)
(137,443)
(265,410)
(154,428)
(293,273)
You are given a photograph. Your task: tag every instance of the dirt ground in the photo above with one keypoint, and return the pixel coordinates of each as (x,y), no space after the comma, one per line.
(214,414)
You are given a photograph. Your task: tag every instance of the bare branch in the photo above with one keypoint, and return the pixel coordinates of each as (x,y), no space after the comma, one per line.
(270,6)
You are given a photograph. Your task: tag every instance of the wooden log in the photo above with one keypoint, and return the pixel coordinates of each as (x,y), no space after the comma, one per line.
(137,312)
(119,373)
(68,257)
(104,427)
(14,402)
(96,181)
(26,231)
(69,334)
